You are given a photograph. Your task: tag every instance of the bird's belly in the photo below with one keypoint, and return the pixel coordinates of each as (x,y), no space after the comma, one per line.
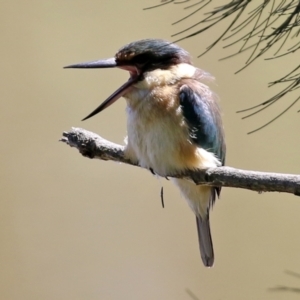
(163,145)
(154,146)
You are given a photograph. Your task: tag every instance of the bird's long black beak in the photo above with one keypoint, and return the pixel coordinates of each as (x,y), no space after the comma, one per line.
(96,64)
(105,63)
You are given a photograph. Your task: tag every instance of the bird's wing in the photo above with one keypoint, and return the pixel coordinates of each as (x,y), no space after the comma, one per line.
(203,117)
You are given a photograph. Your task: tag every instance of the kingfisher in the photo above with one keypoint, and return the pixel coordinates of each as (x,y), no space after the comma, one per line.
(174,121)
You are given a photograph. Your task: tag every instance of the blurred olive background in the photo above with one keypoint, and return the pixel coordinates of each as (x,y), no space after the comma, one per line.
(74,228)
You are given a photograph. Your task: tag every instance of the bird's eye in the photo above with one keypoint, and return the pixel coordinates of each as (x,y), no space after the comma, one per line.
(140,60)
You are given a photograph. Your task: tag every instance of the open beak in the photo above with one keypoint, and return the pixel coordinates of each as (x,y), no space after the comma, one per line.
(106,63)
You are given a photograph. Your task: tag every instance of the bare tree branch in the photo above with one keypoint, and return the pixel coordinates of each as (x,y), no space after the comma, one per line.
(92,145)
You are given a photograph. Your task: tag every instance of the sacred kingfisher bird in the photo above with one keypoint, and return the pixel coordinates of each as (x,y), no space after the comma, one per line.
(174,121)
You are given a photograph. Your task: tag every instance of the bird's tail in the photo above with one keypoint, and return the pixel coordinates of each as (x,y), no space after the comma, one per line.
(200,198)
(205,241)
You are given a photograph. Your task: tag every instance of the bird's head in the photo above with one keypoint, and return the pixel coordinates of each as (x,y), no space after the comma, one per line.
(137,58)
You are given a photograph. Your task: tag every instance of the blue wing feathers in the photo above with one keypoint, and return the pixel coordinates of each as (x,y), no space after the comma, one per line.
(204,129)
(204,121)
